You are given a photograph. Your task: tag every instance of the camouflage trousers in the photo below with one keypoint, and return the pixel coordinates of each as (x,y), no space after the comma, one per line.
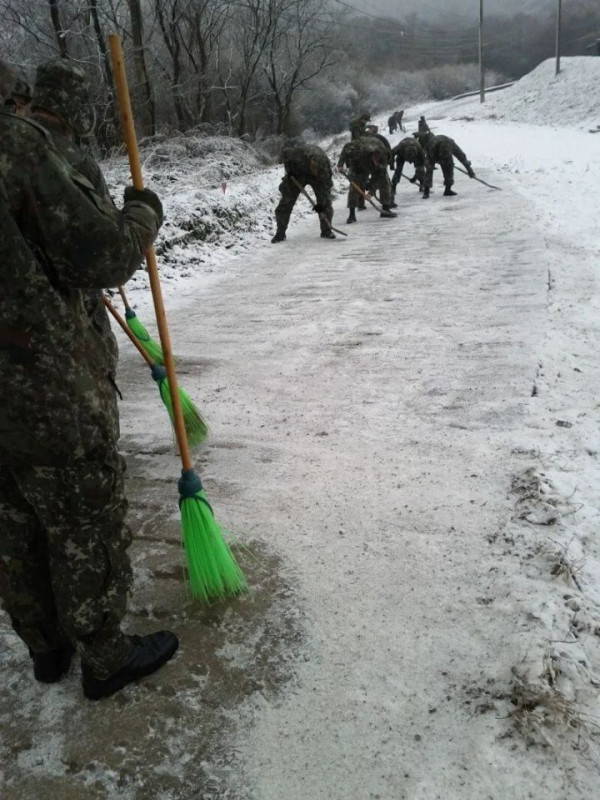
(447,165)
(380,182)
(418,177)
(360,177)
(64,569)
(290,193)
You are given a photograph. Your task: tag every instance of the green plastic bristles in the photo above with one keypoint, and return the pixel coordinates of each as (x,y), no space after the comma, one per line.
(213,572)
(195,427)
(153,348)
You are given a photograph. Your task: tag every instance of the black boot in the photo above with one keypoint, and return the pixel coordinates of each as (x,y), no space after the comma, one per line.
(393,204)
(149,653)
(279,236)
(387,212)
(328,234)
(448,192)
(425,193)
(351,216)
(51,666)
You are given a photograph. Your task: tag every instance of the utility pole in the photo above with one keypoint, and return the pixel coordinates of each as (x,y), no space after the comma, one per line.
(481,66)
(558,32)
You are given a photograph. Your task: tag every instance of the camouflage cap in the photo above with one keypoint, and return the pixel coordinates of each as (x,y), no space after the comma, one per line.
(61,87)
(21,91)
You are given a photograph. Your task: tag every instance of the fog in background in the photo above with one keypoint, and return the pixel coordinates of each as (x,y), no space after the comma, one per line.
(449,11)
(264,69)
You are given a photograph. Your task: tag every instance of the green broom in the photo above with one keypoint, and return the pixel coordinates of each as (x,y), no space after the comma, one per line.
(212,569)
(195,427)
(141,334)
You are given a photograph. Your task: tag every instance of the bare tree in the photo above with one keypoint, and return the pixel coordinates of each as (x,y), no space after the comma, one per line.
(143,87)
(58,28)
(299,48)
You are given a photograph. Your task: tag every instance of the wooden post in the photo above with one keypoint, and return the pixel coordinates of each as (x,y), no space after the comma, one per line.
(558,34)
(481,64)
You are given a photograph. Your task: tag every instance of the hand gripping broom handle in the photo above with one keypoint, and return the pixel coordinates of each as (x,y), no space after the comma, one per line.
(322,216)
(124,101)
(360,191)
(125,327)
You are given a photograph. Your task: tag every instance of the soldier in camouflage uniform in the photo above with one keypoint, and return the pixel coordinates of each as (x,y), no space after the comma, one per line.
(19,97)
(64,569)
(443,150)
(423,126)
(358,125)
(408,150)
(309,165)
(395,122)
(367,161)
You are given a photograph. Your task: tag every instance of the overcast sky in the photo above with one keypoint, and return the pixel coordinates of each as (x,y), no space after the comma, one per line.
(447,9)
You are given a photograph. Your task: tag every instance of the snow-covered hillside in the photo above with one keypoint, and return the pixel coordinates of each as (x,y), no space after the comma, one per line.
(570,98)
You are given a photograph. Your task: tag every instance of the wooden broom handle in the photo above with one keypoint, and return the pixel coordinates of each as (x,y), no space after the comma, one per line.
(125,327)
(123,296)
(124,101)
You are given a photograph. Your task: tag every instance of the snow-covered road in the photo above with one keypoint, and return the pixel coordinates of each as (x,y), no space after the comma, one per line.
(371,403)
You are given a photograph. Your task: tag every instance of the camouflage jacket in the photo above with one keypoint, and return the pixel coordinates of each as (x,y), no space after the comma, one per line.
(82,160)
(58,239)
(308,163)
(443,148)
(409,150)
(357,128)
(364,154)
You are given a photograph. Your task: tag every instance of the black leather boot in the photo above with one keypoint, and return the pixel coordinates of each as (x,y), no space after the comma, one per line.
(279,236)
(425,194)
(51,666)
(148,654)
(448,192)
(387,212)
(351,216)
(329,234)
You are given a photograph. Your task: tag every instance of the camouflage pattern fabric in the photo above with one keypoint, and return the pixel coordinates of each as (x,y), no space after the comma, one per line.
(63,568)
(395,121)
(367,160)
(81,159)
(311,167)
(408,150)
(19,97)
(61,86)
(442,150)
(357,127)
(423,126)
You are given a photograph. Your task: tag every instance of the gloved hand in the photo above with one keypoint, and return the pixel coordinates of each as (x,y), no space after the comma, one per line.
(470,172)
(319,209)
(147,197)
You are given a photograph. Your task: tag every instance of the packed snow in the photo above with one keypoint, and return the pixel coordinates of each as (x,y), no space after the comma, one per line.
(405,427)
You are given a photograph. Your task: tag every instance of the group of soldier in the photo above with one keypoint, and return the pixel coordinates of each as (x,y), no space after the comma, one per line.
(365,160)
(64,568)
